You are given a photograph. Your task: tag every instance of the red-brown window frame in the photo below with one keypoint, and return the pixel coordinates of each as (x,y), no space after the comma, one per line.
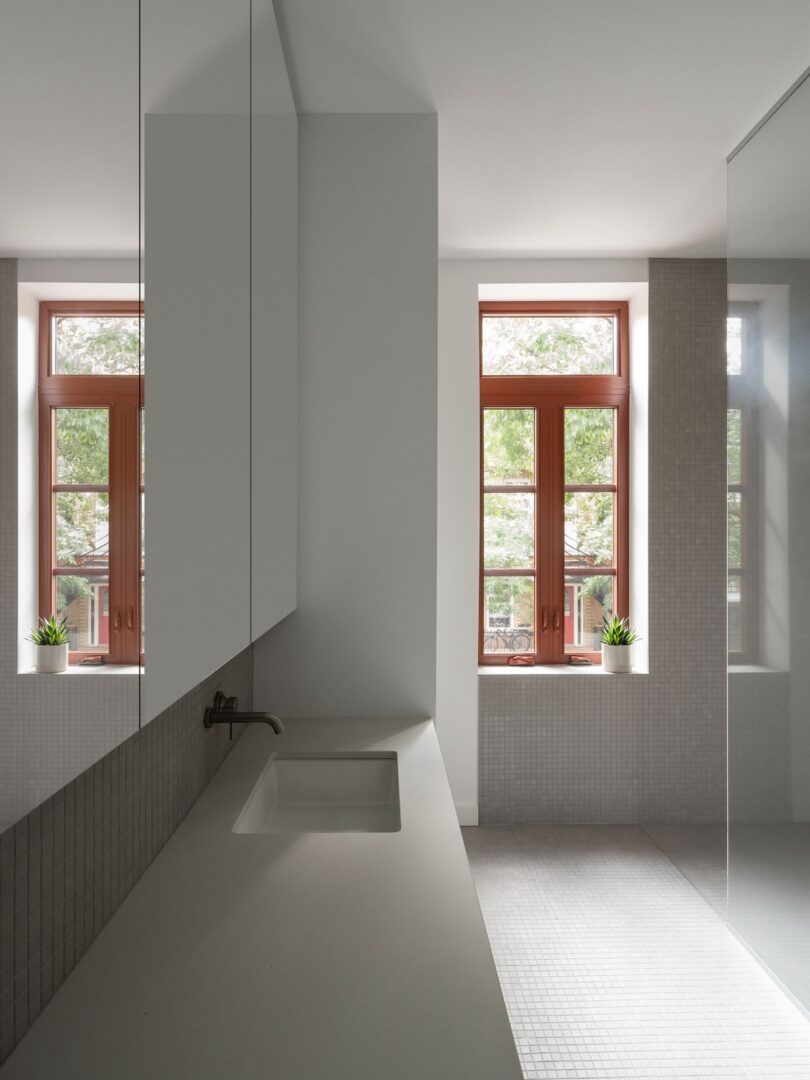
(550,395)
(123,396)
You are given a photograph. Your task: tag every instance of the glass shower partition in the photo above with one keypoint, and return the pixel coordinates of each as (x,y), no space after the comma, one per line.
(769,541)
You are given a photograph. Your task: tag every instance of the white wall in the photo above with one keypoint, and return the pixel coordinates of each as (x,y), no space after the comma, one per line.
(27,471)
(197,400)
(461,281)
(274,370)
(362,641)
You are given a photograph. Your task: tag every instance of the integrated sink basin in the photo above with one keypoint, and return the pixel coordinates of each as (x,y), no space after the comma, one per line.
(324,793)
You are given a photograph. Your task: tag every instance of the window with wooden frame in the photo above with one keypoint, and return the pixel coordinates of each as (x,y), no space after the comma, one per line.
(743,367)
(90,475)
(555,396)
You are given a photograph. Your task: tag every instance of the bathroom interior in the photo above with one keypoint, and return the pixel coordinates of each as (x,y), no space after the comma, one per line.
(358,360)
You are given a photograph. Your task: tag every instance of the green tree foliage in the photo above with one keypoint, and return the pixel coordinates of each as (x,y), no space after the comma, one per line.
(82,456)
(547,345)
(82,446)
(734,457)
(589,446)
(98,345)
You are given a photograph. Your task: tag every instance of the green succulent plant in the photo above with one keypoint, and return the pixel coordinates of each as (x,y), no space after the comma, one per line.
(50,632)
(616,631)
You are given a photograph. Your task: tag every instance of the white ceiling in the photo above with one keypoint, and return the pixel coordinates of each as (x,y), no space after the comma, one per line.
(573,127)
(566,127)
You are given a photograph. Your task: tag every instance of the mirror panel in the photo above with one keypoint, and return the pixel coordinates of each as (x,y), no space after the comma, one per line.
(72,241)
(177,196)
(769,555)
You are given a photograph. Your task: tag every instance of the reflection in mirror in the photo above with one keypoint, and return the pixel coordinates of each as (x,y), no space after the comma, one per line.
(69,269)
(768,347)
(90,390)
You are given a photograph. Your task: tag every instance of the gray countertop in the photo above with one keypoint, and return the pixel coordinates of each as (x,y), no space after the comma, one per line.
(342,956)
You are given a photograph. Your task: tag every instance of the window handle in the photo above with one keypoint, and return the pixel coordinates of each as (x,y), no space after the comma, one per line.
(117,620)
(544,618)
(130,618)
(557,618)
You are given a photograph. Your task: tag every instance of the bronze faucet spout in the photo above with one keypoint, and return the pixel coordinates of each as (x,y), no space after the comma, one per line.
(225,710)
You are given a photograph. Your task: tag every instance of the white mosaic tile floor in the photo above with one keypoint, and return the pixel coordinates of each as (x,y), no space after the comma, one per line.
(614,966)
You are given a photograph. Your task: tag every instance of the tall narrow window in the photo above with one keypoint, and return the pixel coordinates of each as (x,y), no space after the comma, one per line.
(90,432)
(742,351)
(554,477)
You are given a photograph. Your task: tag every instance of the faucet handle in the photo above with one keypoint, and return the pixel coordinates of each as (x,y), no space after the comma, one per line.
(224,704)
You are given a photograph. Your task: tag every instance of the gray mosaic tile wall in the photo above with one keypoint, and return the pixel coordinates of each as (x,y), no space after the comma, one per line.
(67,865)
(588,747)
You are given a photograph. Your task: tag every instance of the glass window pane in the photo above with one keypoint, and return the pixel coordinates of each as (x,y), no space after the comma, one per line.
(509,531)
(589,446)
(734,613)
(586,600)
(509,615)
(734,345)
(548,344)
(82,445)
(85,602)
(589,528)
(735,507)
(97,344)
(509,446)
(734,453)
(82,528)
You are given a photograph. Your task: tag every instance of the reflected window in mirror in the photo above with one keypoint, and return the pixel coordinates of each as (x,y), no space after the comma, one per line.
(91,475)
(743,369)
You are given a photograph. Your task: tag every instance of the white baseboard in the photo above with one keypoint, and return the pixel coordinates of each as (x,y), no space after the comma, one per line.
(467,813)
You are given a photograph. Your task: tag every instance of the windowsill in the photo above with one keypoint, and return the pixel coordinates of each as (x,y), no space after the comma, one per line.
(77,669)
(755,669)
(552,669)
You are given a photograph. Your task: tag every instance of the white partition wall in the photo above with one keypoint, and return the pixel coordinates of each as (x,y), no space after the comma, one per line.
(362,640)
(197,400)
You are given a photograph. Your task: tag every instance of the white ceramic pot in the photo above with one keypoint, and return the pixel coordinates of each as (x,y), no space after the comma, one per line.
(51,659)
(617,659)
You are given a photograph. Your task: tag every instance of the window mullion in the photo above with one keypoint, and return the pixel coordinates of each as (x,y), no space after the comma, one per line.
(549,533)
(556,530)
(124,534)
(117,585)
(47,553)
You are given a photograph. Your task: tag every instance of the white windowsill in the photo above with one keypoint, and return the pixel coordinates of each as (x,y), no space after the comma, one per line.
(77,669)
(552,669)
(755,669)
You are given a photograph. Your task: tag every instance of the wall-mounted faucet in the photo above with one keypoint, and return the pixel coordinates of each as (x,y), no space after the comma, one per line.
(225,711)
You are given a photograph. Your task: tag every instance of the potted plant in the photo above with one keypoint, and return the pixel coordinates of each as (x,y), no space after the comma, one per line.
(51,639)
(617,645)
